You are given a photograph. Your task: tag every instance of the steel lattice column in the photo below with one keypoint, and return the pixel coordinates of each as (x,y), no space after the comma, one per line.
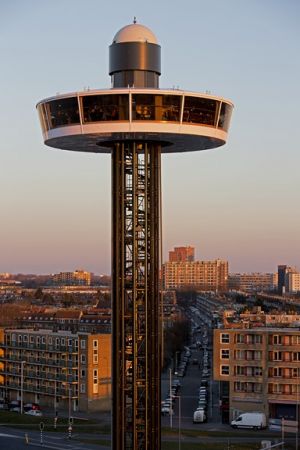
(135,295)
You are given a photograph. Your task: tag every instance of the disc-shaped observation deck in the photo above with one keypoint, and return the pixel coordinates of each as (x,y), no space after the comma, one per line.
(92,121)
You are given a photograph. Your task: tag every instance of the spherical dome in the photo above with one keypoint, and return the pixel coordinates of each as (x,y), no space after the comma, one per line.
(135,32)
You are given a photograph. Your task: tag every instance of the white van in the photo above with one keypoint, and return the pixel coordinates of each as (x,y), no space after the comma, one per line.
(199,416)
(254,420)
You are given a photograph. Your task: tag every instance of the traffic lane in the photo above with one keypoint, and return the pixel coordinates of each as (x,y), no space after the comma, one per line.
(190,384)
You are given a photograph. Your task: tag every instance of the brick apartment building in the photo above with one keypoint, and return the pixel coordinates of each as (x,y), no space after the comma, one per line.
(259,368)
(203,275)
(56,369)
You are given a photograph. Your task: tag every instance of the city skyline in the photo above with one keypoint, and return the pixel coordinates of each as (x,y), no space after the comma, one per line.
(238,203)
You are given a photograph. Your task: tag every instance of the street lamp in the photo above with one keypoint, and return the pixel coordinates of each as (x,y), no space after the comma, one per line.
(176,362)
(179,421)
(22,383)
(70,390)
(297,407)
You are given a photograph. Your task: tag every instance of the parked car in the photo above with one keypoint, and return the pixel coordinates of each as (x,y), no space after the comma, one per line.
(199,416)
(30,406)
(34,412)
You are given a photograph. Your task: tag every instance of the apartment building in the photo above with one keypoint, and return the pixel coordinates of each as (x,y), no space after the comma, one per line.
(292,282)
(203,275)
(260,370)
(56,369)
(180,254)
(252,282)
(77,278)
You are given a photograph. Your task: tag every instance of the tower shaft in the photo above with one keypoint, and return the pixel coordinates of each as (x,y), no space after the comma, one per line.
(135,295)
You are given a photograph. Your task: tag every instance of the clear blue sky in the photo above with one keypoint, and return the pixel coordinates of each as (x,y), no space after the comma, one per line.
(240,202)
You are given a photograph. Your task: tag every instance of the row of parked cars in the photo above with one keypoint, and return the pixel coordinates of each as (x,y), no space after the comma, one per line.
(184,361)
(167,405)
(200,415)
(32,409)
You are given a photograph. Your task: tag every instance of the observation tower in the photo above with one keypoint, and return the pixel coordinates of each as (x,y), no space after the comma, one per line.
(135,121)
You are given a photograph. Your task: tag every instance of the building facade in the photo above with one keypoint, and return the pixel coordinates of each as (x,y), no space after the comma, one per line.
(60,369)
(252,282)
(260,370)
(283,274)
(182,254)
(203,275)
(292,282)
(76,278)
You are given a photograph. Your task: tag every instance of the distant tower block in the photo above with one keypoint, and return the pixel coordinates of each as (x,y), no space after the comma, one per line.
(135,121)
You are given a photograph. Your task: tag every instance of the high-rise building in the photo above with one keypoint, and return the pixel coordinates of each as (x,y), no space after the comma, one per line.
(292,282)
(283,270)
(203,275)
(182,254)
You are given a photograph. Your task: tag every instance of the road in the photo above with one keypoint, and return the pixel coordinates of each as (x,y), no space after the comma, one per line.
(14,439)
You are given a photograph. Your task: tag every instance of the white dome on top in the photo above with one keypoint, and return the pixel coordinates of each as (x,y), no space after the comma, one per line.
(135,32)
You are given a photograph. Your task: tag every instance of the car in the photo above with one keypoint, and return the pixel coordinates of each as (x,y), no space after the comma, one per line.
(15,409)
(166,411)
(29,406)
(34,412)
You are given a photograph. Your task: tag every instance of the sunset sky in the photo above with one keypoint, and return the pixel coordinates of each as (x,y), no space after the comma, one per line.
(240,202)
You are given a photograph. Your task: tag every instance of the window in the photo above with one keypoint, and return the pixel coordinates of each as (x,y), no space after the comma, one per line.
(239,338)
(95,344)
(95,381)
(31,339)
(225,116)
(224,338)
(95,358)
(82,344)
(83,359)
(63,341)
(277,371)
(156,107)
(82,388)
(61,112)
(43,340)
(25,338)
(82,373)
(224,370)
(257,372)
(50,341)
(296,356)
(257,355)
(257,338)
(240,370)
(200,110)
(277,356)
(19,338)
(277,339)
(101,108)
(225,354)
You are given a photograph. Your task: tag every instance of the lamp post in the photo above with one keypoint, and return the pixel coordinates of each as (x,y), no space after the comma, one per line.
(70,387)
(22,383)
(170,390)
(179,421)
(176,362)
(297,409)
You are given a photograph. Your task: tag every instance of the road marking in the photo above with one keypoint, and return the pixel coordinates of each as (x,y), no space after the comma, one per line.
(11,436)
